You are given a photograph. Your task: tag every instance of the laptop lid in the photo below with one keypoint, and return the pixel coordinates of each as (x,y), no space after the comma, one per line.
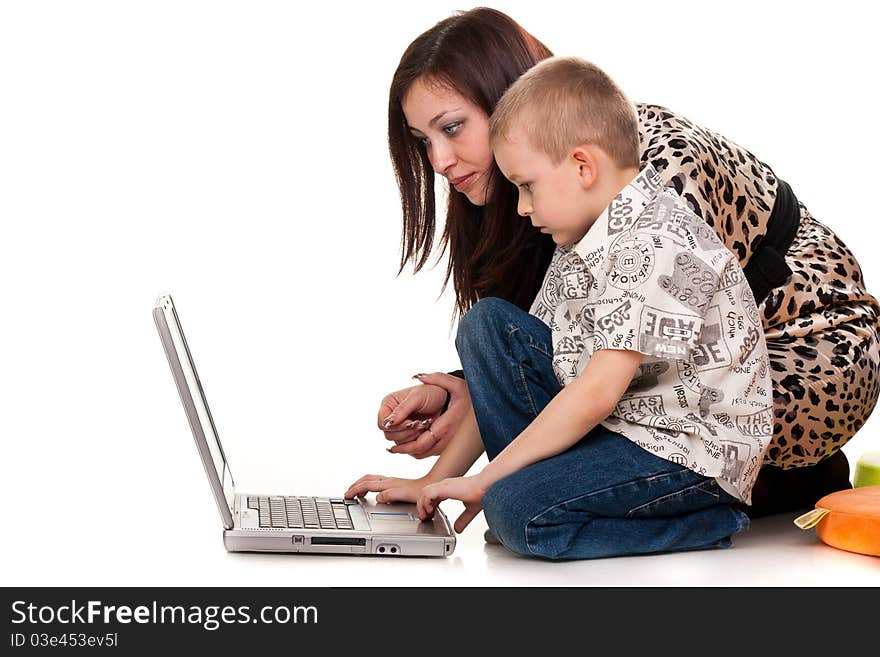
(196,406)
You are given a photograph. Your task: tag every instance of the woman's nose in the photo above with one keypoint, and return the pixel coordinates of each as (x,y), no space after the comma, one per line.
(442,157)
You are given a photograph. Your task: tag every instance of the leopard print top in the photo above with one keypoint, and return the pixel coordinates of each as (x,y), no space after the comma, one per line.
(726,185)
(821,326)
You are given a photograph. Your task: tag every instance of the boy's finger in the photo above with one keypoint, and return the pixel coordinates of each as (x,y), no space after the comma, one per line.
(428,501)
(424,514)
(465,519)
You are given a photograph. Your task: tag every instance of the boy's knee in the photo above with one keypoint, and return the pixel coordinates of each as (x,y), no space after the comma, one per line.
(546,536)
(501,515)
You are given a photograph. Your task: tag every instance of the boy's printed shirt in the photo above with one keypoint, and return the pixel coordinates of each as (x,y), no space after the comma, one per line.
(651,276)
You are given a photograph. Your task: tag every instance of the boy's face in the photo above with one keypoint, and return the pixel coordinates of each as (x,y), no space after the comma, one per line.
(552,196)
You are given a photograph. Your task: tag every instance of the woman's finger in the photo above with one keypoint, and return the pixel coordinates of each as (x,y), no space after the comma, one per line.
(420,445)
(393,431)
(413,402)
(385,409)
(446,381)
(435,434)
(408,431)
(402,437)
(410,426)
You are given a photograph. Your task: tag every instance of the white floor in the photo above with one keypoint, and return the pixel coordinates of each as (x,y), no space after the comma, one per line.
(137,511)
(772,553)
(162,529)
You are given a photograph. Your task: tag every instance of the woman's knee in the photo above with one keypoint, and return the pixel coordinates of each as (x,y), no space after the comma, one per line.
(486,318)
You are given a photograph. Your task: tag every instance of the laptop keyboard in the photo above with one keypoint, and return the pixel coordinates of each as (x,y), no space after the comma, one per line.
(279,512)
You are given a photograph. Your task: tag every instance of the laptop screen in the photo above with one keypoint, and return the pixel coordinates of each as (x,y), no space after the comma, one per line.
(196,406)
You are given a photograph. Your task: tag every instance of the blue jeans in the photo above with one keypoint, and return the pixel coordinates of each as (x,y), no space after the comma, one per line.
(605,496)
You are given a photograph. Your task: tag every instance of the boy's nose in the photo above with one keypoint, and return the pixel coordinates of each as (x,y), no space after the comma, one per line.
(524,209)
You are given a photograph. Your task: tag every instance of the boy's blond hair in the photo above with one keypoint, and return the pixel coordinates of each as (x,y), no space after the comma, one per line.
(563,102)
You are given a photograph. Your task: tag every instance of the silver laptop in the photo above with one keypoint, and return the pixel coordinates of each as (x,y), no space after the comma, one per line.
(291,523)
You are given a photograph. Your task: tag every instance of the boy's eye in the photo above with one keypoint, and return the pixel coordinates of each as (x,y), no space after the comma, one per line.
(526,186)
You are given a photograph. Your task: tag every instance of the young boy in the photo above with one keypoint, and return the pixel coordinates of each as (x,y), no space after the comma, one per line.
(646,427)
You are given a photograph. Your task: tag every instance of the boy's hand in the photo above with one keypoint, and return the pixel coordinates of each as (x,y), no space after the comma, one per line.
(390,489)
(469,490)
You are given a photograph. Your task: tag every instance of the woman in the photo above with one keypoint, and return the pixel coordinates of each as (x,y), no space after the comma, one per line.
(821,326)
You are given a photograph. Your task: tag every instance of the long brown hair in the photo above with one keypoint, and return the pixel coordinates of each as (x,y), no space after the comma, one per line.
(478,53)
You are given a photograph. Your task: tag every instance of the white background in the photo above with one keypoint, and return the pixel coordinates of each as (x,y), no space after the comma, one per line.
(234,155)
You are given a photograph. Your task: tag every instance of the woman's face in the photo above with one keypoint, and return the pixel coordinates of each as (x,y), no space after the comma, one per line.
(455,134)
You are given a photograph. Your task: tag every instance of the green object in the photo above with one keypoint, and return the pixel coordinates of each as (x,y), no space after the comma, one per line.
(867,470)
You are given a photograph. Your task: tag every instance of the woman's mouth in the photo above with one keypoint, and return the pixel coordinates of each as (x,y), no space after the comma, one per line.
(461,184)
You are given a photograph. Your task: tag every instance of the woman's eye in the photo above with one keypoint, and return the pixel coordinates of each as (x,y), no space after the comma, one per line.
(452,128)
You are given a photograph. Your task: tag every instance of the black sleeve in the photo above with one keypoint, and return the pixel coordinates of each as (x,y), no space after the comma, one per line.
(460,375)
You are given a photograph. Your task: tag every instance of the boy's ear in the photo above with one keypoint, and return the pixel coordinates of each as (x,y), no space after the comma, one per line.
(584,158)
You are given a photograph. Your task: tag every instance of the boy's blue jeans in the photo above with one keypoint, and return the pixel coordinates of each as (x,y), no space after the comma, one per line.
(605,496)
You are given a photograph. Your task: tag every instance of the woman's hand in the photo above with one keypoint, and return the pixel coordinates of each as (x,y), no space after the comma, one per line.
(412,417)
(390,489)
(469,490)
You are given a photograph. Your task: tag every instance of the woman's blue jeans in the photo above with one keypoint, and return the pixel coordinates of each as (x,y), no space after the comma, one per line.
(605,496)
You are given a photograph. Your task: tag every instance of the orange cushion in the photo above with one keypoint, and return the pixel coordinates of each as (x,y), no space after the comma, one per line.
(853,520)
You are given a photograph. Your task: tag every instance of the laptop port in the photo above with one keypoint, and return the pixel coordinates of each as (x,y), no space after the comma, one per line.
(337,540)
